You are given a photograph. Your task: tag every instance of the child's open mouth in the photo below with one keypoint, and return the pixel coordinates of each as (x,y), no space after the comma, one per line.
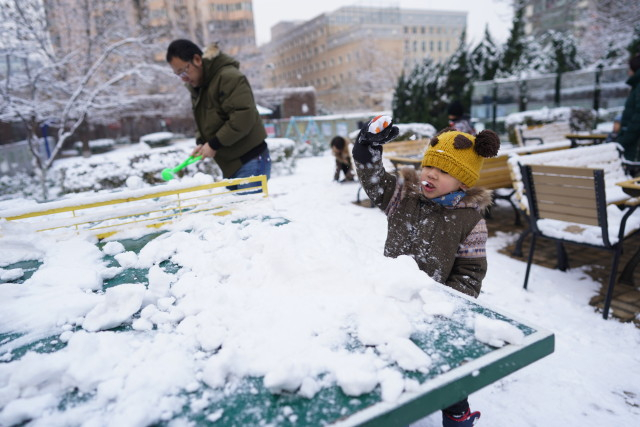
(427,186)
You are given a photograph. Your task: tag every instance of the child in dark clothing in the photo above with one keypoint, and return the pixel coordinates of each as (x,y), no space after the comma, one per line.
(458,120)
(340,150)
(419,208)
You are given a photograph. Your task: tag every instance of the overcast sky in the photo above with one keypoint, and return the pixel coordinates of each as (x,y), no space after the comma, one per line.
(497,13)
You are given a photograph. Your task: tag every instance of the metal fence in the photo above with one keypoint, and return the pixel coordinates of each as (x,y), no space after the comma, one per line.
(605,88)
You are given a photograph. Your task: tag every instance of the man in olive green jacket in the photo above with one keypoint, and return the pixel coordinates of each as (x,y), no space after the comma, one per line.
(229,127)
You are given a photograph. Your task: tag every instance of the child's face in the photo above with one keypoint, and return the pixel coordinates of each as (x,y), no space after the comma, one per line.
(435,182)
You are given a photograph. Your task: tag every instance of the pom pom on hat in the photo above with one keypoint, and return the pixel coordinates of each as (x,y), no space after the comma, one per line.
(487,143)
(460,154)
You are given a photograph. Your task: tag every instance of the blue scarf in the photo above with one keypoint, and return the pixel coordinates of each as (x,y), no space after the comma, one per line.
(450,199)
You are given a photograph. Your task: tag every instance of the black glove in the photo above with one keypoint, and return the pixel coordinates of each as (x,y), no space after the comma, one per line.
(378,131)
(368,146)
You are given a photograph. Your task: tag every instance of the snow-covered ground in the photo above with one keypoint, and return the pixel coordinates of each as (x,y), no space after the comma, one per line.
(268,291)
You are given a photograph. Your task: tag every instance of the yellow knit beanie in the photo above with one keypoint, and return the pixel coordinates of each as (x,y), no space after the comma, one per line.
(460,154)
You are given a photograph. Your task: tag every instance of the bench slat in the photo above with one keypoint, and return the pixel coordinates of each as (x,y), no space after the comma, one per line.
(563,180)
(565,170)
(550,190)
(569,215)
(564,200)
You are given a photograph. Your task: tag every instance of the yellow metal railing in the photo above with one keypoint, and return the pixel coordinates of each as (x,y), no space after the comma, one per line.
(113,213)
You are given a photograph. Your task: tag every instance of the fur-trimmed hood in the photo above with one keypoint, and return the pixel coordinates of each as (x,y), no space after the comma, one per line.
(214,60)
(476,196)
(211,51)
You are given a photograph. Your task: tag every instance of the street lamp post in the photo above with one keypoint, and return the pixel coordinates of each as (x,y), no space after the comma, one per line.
(495,104)
(597,90)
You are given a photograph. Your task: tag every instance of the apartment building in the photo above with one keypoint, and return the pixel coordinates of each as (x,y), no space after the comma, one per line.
(559,15)
(229,22)
(354,55)
(73,25)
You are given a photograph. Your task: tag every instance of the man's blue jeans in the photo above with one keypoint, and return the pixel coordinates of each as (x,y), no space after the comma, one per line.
(260,165)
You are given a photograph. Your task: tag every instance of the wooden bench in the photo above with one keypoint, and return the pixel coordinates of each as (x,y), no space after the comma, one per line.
(545,133)
(569,204)
(496,174)
(605,156)
(405,153)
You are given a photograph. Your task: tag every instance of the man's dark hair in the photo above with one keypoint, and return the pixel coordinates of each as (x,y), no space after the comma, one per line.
(183,49)
(634,63)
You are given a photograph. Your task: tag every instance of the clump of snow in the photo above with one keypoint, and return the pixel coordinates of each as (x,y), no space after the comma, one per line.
(496,333)
(134,182)
(113,248)
(119,304)
(156,137)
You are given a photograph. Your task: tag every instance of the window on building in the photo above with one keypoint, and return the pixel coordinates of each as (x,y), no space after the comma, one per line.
(439,46)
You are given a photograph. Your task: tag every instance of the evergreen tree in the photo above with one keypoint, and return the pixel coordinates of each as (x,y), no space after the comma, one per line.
(400,98)
(515,45)
(484,58)
(458,71)
(563,55)
(418,97)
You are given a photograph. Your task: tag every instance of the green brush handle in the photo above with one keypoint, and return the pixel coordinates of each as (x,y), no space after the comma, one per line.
(168,174)
(190,160)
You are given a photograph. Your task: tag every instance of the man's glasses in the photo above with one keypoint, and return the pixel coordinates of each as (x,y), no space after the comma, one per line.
(182,74)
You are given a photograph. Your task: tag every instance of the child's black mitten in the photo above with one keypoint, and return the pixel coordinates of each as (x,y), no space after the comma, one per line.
(376,132)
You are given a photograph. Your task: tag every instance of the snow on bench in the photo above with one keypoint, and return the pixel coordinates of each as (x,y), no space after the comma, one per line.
(606,157)
(545,133)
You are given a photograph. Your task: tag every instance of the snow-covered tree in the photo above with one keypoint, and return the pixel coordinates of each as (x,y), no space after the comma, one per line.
(563,56)
(419,97)
(612,32)
(484,59)
(515,47)
(87,67)
(458,85)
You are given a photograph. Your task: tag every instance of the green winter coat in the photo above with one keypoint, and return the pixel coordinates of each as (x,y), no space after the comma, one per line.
(224,108)
(630,123)
(447,243)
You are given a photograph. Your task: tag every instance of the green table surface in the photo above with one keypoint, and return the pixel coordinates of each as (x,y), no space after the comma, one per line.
(460,370)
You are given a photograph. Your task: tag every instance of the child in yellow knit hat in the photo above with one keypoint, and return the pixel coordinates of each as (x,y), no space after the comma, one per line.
(436,217)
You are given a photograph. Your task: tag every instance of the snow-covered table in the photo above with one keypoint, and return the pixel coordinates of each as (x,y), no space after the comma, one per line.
(452,352)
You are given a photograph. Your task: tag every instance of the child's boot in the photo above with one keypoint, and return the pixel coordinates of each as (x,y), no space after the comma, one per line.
(467,419)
